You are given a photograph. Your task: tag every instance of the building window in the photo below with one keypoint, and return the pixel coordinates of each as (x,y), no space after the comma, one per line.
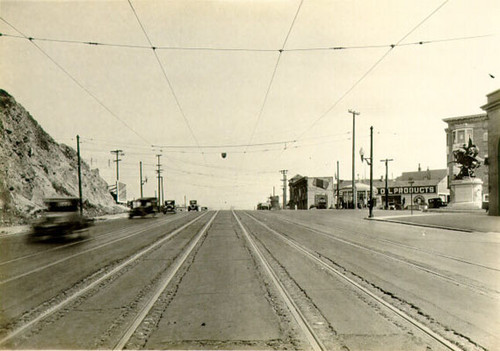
(462,136)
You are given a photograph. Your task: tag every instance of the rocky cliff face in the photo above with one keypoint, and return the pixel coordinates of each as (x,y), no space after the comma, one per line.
(33,166)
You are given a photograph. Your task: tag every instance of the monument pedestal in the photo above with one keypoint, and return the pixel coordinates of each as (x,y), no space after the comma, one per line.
(467,194)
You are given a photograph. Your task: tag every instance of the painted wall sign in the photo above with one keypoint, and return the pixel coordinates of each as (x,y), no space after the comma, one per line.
(402,190)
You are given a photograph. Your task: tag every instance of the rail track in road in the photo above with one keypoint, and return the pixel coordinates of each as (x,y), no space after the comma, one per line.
(397,244)
(216,281)
(306,327)
(30,319)
(470,285)
(123,234)
(431,329)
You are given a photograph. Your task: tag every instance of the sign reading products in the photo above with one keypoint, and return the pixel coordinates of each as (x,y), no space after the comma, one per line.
(401,190)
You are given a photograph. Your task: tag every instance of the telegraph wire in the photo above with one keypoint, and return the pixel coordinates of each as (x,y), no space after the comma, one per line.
(164,74)
(222,49)
(75,81)
(372,68)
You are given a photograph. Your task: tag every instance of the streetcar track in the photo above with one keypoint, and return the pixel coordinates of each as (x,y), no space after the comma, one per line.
(304,325)
(135,323)
(429,252)
(82,291)
(116,232)
(64,259)
(482,290)
(436,336)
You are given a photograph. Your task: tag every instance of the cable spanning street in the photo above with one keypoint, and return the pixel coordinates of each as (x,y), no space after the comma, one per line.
(297,280)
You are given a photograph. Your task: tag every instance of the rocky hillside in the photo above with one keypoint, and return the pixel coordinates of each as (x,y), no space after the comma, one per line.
(33,166)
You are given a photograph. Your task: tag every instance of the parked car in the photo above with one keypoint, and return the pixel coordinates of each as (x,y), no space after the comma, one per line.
(60,217)
(436,202)
(144,206)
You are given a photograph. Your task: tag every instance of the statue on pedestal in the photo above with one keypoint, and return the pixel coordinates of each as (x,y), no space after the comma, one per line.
(466,189)
(467,157)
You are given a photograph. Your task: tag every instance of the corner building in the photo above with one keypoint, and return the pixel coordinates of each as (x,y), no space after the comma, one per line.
(307,192)
(492,109)
(459,130)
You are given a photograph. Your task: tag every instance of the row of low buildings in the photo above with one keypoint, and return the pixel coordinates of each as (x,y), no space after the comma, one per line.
(419,186)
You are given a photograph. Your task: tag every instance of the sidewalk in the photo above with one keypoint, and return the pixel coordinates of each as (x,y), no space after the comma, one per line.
(461,221)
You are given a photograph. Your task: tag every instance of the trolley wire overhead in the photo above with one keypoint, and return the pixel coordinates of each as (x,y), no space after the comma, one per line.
(274,74)
(76,81)
(359,80)
(228,49)
(165,75)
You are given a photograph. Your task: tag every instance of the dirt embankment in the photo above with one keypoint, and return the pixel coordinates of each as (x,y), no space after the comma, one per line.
(33,166)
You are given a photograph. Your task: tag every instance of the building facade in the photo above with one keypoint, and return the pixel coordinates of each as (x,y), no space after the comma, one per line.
(459,130)
(418,187)
(310,192)
(492,109)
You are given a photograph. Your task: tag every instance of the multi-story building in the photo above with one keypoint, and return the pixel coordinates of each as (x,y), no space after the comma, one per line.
(493,186)
(307,192)
(460,130)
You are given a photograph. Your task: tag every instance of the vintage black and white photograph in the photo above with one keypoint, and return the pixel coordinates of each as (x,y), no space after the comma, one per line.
(305,175)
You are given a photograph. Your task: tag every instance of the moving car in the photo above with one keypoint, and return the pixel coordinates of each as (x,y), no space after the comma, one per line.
(61,217)
(144,206)
(193,205)
(169,206)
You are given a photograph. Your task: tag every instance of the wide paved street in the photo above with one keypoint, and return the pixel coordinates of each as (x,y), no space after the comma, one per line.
(252,280)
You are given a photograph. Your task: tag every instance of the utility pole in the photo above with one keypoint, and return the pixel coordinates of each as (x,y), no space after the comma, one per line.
(371,172)
(117,160)
(354,195)
(284,171)
(370,163)
(162,193)
(158,171)
(79,174)
(338,187)
(142,181)
(140,168)
(411,181)
(387,160)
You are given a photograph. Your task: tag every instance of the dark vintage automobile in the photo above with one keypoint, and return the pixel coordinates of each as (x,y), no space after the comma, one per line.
(193,205)
(169,207)
(143,206)
(61,217)
(436,202)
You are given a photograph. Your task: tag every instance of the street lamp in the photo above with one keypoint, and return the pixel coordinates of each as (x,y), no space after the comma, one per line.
(370,163)
(411,181)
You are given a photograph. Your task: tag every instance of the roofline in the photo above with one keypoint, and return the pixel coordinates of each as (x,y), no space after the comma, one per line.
(480,116)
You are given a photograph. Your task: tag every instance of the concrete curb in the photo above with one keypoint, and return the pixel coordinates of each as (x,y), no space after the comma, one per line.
(421,225)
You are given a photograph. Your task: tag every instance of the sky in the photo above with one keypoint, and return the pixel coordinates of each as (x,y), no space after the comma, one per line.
(268,83)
